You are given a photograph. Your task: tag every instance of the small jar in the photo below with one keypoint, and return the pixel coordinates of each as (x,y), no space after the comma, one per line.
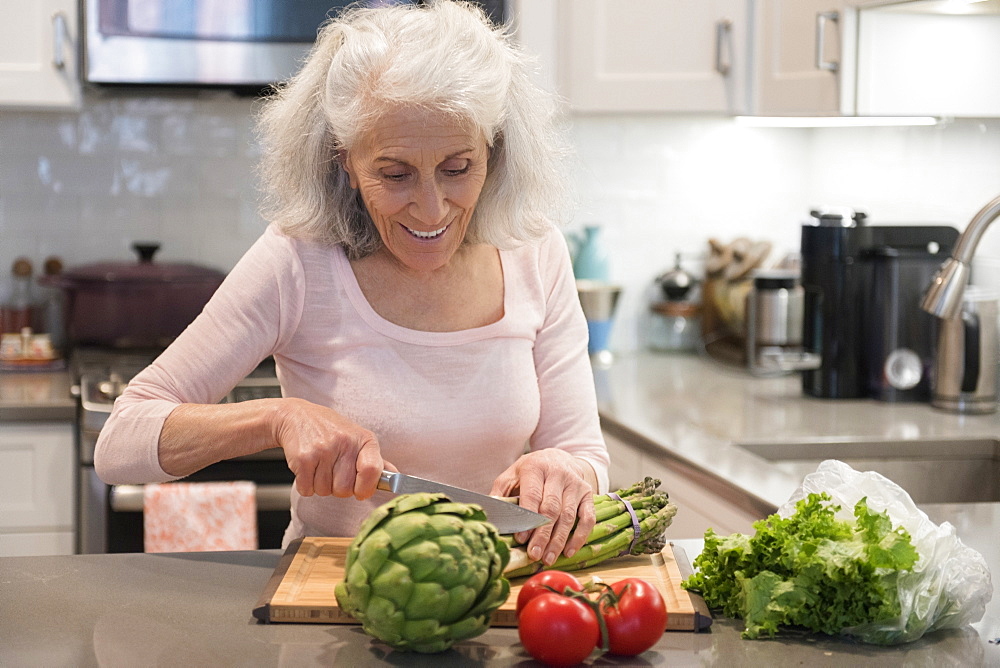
(674,326)
(10,347)
(40,347)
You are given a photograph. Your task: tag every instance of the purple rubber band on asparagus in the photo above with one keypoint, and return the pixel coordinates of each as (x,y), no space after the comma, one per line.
(635,523)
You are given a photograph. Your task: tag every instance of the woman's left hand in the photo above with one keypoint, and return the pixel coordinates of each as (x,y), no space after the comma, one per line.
(560,486)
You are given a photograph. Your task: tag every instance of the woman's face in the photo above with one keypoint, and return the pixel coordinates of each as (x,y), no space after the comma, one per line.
(420,174)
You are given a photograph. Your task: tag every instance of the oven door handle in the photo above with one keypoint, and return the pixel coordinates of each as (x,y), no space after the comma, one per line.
(128,498)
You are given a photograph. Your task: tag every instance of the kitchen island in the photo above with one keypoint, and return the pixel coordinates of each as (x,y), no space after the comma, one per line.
(195,608)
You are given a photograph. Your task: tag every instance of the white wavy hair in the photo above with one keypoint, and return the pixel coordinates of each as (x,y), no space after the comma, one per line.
(445,56)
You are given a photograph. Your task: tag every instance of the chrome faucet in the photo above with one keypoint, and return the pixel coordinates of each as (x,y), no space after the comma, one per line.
(944,296)
(965,358)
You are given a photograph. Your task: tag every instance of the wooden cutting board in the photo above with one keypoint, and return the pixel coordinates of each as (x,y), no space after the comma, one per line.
(301,588)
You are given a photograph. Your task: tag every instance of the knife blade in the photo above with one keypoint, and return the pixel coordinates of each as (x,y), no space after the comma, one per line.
(505,516)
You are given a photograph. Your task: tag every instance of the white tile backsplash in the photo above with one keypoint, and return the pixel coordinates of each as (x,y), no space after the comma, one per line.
(169,167)
(181,170)
(665,184)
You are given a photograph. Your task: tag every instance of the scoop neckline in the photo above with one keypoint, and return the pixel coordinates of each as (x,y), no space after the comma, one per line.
(417,336)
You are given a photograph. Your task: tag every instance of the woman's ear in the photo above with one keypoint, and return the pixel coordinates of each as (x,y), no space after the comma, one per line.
(345,164)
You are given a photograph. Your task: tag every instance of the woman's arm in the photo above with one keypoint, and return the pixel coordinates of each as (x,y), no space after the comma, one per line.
(328,454)
(568,461)
(252,313)
(197,435)
(569,417)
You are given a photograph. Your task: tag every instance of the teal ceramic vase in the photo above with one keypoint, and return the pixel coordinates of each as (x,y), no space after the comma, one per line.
(590,261)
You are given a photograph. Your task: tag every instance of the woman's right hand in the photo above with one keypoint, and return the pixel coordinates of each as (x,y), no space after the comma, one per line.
(329,454)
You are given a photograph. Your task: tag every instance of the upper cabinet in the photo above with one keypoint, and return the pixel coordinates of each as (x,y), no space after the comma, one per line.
(769,57)
(39,50)
(799,57)
(695,56)
(654,55)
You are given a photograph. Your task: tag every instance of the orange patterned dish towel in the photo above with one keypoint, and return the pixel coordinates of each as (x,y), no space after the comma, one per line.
(200,516)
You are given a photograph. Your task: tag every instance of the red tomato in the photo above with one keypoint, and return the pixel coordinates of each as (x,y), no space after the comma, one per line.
(638,620)
(558,630)
(537,584)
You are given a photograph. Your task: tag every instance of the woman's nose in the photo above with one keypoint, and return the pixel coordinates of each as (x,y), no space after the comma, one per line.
(428,204)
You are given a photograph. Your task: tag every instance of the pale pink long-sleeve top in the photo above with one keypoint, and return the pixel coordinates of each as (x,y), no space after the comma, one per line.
(459,407)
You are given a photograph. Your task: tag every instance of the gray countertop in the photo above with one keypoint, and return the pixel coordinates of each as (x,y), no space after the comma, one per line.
(721,420)
(195,609)
(36,396)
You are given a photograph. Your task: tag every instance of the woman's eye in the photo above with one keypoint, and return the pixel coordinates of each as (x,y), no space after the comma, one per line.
(395,175)
(455,168)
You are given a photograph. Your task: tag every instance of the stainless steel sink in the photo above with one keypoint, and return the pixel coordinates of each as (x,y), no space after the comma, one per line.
(931,472)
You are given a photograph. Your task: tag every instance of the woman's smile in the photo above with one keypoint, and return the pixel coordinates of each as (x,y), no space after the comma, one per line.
(434,234)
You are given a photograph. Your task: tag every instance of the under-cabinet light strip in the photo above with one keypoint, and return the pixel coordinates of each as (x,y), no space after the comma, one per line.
(834,121)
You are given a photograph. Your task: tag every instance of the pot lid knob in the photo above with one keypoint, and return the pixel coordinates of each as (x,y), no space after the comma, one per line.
(146,250)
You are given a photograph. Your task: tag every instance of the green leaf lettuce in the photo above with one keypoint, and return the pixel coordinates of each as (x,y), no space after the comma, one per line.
(810,570)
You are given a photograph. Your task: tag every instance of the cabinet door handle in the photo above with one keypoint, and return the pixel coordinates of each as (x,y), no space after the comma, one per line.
(723,37)
(821,20)
(59,33)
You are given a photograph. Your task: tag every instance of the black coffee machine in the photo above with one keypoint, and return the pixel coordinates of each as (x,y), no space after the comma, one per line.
(861,314)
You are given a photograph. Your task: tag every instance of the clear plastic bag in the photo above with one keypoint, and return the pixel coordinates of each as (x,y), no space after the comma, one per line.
(950,584)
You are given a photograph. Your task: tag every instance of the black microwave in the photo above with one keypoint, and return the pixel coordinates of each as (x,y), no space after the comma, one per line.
(207,43)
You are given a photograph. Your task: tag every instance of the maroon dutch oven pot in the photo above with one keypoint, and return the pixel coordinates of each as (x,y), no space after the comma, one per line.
(142,304)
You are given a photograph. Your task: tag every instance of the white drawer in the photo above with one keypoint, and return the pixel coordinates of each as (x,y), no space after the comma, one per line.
(36,476)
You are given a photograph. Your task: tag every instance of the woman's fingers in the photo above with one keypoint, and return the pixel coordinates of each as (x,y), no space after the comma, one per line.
(323,480)
(545,541)
(328,454)
(369,468)
(304,481)
(345,474)
(358,466)
(568,505)
(584,525)
(551,483)
(530,481)
(505,484)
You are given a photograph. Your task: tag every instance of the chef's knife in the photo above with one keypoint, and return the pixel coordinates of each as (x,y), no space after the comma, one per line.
(505,516)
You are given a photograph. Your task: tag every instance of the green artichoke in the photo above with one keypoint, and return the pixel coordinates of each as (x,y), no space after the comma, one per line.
(424,572)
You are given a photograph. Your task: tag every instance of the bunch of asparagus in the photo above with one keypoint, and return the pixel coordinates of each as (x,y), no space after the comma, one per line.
(613,534)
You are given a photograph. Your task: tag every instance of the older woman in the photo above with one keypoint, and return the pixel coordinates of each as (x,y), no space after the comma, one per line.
(419,306)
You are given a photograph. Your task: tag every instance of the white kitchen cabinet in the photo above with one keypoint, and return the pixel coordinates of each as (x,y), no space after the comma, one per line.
(801,50)
(39,47)
(769,57)
(701,503)
(654,55)
(36,488)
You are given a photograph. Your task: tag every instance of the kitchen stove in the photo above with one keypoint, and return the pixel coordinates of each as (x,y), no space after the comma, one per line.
(109,517)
